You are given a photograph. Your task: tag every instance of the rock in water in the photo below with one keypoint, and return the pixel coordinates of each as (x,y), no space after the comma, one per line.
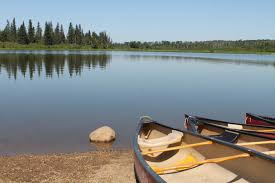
(102,134)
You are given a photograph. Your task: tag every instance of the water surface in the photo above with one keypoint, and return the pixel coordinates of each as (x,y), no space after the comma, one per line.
(50,101)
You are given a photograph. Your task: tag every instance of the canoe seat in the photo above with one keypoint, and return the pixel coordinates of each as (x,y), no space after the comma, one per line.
(171,138)
(227,136)
(235,126)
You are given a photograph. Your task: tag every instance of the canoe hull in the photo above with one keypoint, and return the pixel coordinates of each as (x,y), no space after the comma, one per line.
(143,172)
(254,129)
(142,176)
(252,119)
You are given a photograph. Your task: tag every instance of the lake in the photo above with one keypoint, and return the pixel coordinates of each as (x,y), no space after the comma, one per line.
(51,100)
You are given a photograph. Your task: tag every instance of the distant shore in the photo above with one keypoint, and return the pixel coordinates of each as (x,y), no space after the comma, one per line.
(96,166)
(64,47)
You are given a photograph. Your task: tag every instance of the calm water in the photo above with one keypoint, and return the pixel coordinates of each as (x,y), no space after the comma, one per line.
(50,101)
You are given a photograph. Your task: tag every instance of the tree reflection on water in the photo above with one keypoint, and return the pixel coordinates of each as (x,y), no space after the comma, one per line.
(50,64)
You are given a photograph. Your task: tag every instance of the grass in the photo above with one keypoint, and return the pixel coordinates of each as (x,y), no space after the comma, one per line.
(63,47)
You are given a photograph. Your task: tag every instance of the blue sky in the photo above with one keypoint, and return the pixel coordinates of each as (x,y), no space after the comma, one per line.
(149,20)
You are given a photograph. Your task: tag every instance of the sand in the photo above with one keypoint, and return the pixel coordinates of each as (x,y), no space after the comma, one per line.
(98,166)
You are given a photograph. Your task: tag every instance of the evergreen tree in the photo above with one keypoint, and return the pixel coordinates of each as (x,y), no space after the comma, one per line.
(48,34)
(1,36)
(94,40)
(71,34)
(22,35)
(76,34)
(82,37)
(38,34)
(13,31)
(62,35)
(88,38)
(104,40)
(57,39)
(31,32)
(5,33)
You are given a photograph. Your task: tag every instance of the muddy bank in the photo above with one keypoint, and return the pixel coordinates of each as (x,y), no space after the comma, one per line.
(98,166)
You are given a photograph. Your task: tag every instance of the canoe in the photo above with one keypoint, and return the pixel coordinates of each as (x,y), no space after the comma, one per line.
(165,154)
(261,130)
(254,119)
(203,127)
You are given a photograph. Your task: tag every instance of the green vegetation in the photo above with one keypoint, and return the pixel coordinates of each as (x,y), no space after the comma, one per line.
(240,46)
(54,38)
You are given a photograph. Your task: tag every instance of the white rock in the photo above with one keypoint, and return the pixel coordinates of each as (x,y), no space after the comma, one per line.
(102,134)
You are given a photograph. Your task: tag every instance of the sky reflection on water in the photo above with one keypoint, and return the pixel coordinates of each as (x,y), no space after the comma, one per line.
(50,101)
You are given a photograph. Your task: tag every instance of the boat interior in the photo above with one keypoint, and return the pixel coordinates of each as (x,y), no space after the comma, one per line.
(212,130)
(237,126)
(177,155)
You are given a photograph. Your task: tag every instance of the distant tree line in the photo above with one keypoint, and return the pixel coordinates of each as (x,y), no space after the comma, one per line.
(259,45)
(55,35)
(27,34)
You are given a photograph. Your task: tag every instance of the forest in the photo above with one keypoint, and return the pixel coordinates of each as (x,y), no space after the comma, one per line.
(54,37)
(203,46)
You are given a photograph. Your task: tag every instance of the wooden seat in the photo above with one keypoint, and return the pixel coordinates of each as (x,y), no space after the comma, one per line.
(235,126)
(227,136)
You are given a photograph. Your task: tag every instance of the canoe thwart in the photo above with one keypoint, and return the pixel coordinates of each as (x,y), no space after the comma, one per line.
(256,143)
(177,147)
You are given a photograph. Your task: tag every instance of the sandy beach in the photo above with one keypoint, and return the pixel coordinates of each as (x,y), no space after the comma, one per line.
(97,166)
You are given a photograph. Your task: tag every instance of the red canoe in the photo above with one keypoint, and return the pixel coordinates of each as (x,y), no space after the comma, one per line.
(253,119)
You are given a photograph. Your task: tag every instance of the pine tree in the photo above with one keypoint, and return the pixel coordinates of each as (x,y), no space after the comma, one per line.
(1,36)
(88,38)
(57,39)
(71,35)
(31,32)
(22,35)
(38,34)
(82,37)
(62,35)
(104,40)
(13,31)
(94,40)
(48,34)
(76,33)
(5,35)
(79,35)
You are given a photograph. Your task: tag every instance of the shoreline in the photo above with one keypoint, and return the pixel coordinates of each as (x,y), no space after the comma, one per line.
(110,165)
(136,50)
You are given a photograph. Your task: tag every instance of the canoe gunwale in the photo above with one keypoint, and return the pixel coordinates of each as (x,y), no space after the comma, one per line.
(261,118)
(140,158)
(255,134)
(226,122)
(157,178)
(242,131)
